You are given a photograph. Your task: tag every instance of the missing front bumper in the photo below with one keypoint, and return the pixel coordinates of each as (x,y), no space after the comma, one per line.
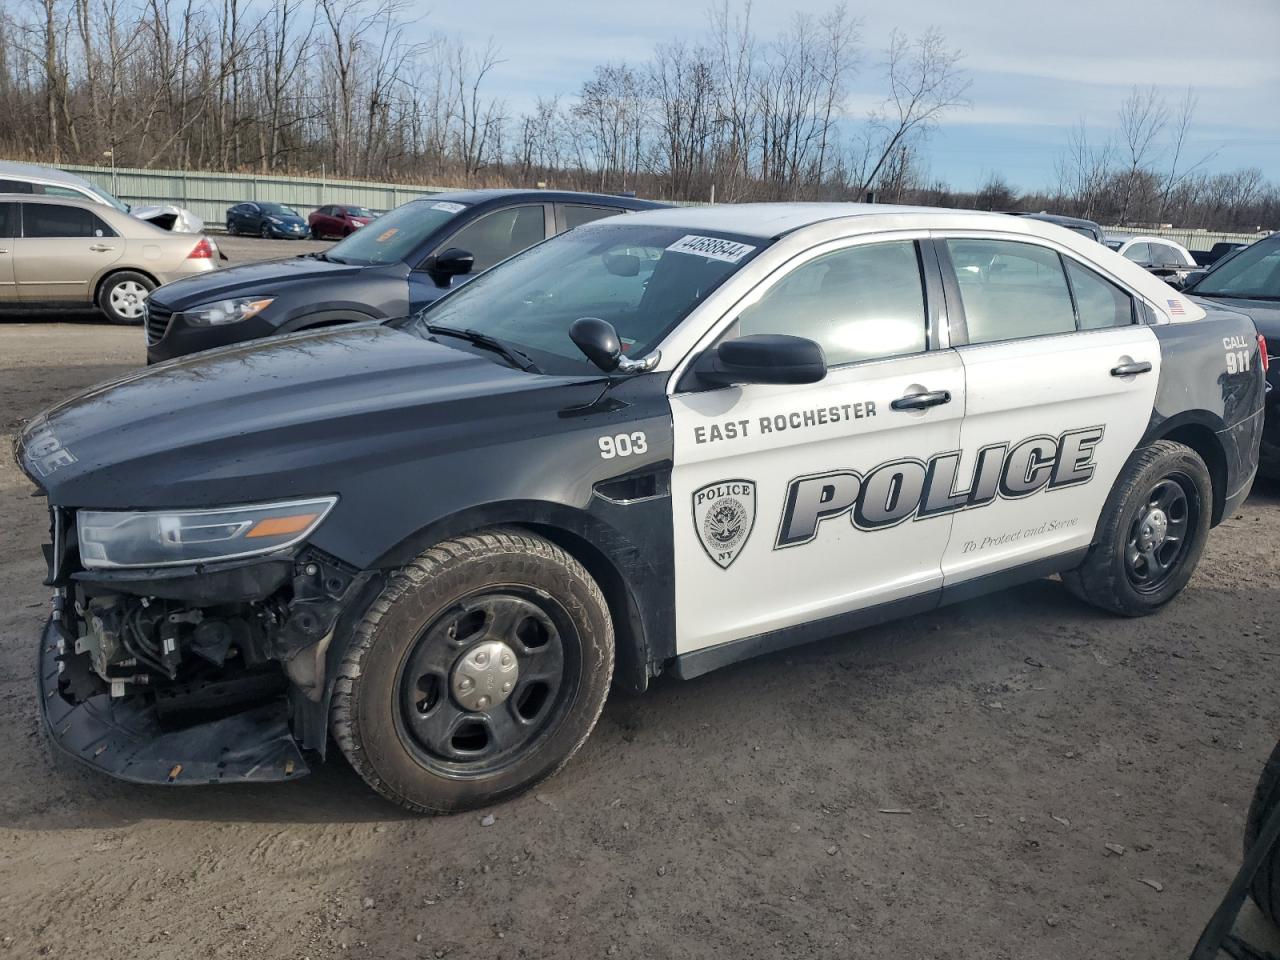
(124,737)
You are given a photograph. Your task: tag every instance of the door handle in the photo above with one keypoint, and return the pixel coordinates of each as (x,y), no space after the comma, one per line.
(100,248)
(1131,369)
(921,401)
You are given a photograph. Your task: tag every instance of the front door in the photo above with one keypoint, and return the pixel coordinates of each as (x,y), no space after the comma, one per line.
(8,230)
(1061,379)
(62,249)
(796,503)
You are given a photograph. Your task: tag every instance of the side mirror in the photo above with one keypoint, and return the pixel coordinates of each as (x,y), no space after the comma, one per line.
(1194,277)
(449,263)
(598,340)
(763,358)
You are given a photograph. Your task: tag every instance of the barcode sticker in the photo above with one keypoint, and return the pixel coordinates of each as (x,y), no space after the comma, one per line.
(448,207)
(711,247)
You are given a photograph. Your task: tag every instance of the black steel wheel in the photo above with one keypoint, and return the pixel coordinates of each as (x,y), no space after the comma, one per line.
(1158,534)
(477,672)
(484,681)
(1151,532)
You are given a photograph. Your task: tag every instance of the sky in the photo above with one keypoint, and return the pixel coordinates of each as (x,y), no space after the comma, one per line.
(1037,68)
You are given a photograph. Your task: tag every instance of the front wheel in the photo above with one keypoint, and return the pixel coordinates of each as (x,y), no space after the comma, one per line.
(478,672)
(1151,533)
(265,232)
(122,296)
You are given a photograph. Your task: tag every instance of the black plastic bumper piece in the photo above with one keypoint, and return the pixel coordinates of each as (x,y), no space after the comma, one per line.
(124,739)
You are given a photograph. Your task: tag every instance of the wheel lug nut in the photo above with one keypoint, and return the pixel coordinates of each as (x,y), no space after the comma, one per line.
(482,659)
(482,702)
(506,659)
(506,687)
(466,683)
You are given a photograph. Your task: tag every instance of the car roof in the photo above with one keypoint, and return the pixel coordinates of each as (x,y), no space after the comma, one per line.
(1060,219)
(543,196)
(9,170)
(767,221)
(85,202)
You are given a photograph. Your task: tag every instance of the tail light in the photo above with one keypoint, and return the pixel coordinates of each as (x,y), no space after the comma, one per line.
(1262,349)
(203,250)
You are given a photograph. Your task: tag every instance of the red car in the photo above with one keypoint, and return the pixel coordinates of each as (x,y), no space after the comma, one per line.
(338,220)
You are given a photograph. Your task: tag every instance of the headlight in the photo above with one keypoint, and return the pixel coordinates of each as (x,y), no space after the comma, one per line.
(161,538)
(226,311)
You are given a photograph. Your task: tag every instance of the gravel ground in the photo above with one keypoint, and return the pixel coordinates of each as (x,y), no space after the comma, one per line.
(945,786)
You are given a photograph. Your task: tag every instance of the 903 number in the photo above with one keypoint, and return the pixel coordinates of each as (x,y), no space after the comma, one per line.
(623,445)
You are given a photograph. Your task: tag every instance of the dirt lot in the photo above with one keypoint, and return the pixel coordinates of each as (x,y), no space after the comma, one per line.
(742,814)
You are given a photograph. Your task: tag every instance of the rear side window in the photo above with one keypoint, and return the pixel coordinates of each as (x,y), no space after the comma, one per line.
(52,191)
(862,303)
(16,186)
(1099,302)
(50,220)
(575,215)
(8,219)
(499,235)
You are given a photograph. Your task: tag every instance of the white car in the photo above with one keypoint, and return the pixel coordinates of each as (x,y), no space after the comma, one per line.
(656,443)
(1161,256)
(29,178)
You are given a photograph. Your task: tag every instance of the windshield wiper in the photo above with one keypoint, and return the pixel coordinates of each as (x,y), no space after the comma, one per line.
(516,357)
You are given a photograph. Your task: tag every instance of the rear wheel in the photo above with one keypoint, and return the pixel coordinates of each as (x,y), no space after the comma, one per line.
(1266,884)
(122,295)
(479,671)
(1151,533)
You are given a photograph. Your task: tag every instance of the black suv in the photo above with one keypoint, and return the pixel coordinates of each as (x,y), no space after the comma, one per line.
(403,261)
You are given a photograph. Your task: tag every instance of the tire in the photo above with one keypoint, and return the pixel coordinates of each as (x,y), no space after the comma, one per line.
(399,711)
(232,229)
(121,296)
(1266,884)
(265,232)
(1117,574)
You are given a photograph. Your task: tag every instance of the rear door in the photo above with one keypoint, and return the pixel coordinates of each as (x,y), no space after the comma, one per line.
(1060,383)
(796,503)
(61,251)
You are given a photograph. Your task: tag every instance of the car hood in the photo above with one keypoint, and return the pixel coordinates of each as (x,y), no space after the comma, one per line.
(267,277)
(1264,313)
(283,417)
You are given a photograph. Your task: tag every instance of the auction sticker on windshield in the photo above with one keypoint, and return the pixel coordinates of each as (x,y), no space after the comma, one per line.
(448,207)
(711,247)
(387,234)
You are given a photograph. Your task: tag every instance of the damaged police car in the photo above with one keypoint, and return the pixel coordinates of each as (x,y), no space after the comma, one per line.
(658,443)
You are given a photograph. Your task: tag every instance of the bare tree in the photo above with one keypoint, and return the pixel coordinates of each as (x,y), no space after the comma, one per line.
(925,82)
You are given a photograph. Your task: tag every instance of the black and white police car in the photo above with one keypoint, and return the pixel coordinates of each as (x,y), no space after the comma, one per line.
(662,442)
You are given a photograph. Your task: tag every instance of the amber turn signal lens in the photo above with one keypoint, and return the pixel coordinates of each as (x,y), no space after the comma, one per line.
(282,526)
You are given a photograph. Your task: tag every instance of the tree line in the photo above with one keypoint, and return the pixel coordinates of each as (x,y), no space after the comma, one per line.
(359,88)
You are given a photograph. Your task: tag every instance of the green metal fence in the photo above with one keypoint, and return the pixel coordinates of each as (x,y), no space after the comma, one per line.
(208,195)
(1191,239)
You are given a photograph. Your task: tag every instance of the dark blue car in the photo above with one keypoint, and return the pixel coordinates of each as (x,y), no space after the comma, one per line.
(397,265)
(271,221)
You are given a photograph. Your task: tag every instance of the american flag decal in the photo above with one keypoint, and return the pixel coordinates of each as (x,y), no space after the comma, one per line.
(1176,309)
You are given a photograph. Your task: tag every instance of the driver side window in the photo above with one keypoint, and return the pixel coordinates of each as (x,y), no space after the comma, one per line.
(501,234)
(862,303)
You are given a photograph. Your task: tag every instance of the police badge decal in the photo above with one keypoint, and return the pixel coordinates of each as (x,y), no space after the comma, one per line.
(723,514)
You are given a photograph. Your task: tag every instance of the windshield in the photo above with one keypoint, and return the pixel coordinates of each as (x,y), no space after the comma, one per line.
(359,212)
(397,234)
(1252,274)
(118,204)
(642,279)
(278,210)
